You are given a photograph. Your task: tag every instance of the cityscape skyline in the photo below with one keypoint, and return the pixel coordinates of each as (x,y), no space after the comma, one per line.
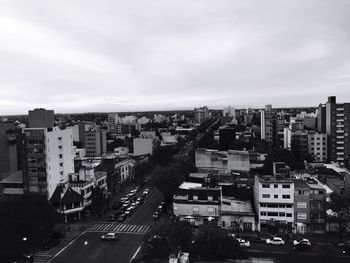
(110,57)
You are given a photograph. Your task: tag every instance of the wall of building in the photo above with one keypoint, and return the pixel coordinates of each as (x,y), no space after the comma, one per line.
(143,146)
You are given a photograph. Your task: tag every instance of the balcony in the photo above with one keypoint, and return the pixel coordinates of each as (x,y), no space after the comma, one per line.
(317,220)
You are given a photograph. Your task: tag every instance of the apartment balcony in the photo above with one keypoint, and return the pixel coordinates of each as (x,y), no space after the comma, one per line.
(317,220)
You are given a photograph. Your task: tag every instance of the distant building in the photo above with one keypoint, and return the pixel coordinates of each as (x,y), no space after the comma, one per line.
(113,120)
(269,125)
(144,146)
(41,118)
(230,112)
(13,184)
(317,146)
(227,135)
(280,169)
(201,114)
(95,141)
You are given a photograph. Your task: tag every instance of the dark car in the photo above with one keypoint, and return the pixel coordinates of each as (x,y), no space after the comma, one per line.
(345,250)
(52,242)
(302,246)
(122,217)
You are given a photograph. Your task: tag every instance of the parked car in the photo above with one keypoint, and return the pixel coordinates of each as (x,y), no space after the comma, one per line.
(346,243)
(243,243)
(275,241)
(262,238)
(155,215)
(123,199)
(302,245)
(160,208)
(122,217)
(301,240)
(345,250)
(146,191)
(109,236)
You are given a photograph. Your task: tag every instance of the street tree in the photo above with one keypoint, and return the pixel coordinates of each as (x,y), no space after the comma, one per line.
(214,243)
(98,201)
(339,213)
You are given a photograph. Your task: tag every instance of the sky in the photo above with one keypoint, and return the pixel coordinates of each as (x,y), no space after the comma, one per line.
(110,56)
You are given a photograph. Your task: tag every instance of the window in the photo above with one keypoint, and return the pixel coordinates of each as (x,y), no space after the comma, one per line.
(286,186)
(301,204)
(60,156)
(272,213)
(195,210)
(275,186)
(60,147)
(210,209)
(286,196)
(265,186)
(301,215)
(195,197)
(210,198)
(61,173)
(263,213)
(282,214)
(275,196)
(289,215)
(61,164)
(59,138)
(265,196)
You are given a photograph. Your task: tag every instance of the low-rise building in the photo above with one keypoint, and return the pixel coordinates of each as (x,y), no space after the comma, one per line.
(274,201)
(197,204)
(317,145)
(237,215)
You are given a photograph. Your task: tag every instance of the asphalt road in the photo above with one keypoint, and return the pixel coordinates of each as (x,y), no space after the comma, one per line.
(120,250)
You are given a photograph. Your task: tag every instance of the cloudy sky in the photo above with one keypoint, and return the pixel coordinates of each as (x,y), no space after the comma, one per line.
(78,56)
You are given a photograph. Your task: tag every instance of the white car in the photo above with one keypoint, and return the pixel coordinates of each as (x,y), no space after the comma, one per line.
(243,243)
(146,191)
(109,236)
(275,241)
(301,240)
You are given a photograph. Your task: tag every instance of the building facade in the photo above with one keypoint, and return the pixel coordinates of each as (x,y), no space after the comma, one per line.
(317,146)
(95,141)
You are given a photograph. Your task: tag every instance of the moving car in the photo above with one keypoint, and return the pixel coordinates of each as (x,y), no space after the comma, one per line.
(109,236)
(243,243)
(275,241)
(301,240)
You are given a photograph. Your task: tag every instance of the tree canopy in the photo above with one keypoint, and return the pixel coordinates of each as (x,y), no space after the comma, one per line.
(98,201)
(29,216)
(340,212)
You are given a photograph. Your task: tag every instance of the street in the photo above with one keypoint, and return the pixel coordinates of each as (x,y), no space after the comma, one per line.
(90,248)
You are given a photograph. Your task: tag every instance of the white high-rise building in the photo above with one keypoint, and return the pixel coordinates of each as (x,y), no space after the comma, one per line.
(49,158)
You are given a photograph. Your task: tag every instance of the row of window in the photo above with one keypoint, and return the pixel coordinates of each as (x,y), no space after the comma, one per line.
(275,196)
(276,186)
(195,197)
(270,205)
(281,214)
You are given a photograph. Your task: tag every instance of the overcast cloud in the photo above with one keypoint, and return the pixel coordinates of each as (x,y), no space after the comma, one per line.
(79,56)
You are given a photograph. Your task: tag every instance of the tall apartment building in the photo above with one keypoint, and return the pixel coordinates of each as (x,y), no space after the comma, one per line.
(321,118)
(201,114)
(317,145)
(296,139)
(113,120)
(338,131)
(274,201)
(302,206)
(48,158)
(95,141)
(8,150)
(230,112)
(39,118)
(269,125)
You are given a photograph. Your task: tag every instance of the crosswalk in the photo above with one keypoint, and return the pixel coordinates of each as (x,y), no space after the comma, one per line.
(44,256)
(119,227)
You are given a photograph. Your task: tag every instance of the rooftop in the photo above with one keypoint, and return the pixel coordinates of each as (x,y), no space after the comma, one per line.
(16,177)
(189,185)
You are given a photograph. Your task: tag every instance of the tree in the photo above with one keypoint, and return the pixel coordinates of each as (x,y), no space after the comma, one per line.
(162,155)
(98,201)
(340,213)
(29,216)
(214,243)
(165,237)
(141,170)
(281,155)
(167,179)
